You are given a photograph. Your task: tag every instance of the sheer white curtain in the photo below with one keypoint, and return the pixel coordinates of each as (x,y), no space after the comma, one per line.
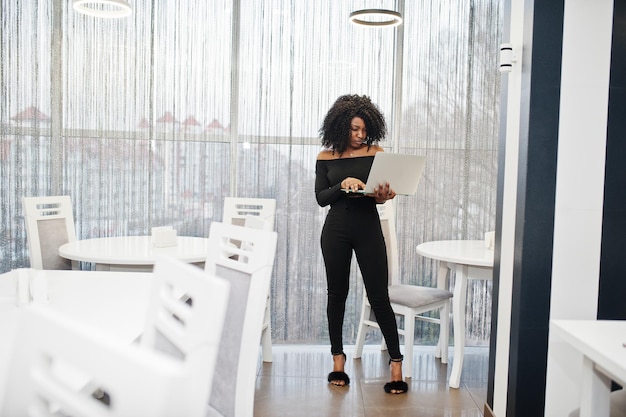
(154,119)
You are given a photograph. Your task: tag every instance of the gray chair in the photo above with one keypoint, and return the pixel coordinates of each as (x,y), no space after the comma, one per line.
(184,320)
(49,224)
(409,301)
(237,208)
(257,213)
(247,266)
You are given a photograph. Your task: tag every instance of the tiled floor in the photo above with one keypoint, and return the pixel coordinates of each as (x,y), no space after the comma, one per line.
(295,385)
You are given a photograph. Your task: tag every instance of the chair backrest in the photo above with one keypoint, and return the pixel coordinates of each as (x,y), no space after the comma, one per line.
(51,350)
(248,268)
(49,224)
(387,215)
(184,320)
(237,208)
(258,223)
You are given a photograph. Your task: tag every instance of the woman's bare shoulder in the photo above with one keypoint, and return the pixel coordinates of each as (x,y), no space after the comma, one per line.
(326,155)
(375,149)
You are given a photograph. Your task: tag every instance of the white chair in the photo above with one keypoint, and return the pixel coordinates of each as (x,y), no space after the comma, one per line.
(257,213)
(410,301)
(49,224)
(249,274)
(237,208)
(51,349)
(184,320)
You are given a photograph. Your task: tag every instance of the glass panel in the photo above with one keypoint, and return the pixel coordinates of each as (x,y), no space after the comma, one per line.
(133,119)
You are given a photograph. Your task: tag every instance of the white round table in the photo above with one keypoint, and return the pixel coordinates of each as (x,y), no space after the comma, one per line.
(466,259)
(133,253)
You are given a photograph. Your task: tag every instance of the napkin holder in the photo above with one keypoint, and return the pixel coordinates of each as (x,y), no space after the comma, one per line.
(163,236)
(490,238)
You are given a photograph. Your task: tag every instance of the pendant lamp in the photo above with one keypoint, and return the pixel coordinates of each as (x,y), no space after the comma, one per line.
(103,8)
(376,17)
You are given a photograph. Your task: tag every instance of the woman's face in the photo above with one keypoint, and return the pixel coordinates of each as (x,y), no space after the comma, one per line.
(358,133)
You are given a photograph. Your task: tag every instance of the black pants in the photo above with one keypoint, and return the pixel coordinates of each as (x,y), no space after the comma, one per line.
(355,226)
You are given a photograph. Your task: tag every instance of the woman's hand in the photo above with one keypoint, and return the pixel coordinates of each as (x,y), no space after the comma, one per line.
(383,193)
(352,184)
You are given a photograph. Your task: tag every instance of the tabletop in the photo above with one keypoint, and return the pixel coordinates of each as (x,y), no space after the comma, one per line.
(134,250)
(466,252)
(602,341)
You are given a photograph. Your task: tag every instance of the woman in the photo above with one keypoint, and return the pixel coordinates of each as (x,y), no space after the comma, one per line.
(350,134)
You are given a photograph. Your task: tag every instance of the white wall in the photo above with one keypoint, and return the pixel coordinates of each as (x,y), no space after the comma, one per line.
(579,187)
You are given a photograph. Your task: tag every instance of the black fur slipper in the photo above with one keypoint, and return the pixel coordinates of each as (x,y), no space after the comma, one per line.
(339,376)
(400,387)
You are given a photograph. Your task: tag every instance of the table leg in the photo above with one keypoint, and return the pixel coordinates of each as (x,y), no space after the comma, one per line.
(595,392)
(458,320)
(441,351)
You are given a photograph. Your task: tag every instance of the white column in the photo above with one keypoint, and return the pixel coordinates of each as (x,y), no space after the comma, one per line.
(509,201)
(579,188)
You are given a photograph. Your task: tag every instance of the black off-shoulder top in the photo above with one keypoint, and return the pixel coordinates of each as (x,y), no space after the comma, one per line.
(330,173)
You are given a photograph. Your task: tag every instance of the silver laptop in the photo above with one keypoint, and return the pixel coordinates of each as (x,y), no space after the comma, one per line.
(401,171)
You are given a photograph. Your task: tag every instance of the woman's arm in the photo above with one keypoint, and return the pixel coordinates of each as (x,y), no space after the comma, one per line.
(325,193)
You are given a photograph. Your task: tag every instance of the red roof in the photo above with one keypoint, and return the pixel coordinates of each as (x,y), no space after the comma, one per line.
(167,118)
(191,121)
(215,125)
(31,113)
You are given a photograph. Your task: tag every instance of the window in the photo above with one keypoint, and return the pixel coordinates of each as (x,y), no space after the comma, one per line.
(154,119)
